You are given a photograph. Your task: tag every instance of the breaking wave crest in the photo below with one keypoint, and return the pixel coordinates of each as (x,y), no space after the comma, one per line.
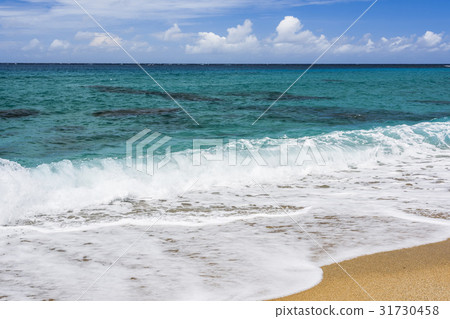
(69,186)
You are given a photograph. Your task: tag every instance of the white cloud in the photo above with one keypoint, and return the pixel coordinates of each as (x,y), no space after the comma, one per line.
(239,39)
(99,39)
(46,14)
(430,39)
(240,33)
(43,16)
(397,44)
(138,46)
(103,41)
(291,37)
(287,29)
(59,45)
(429,42)
(33,44)
(173,34)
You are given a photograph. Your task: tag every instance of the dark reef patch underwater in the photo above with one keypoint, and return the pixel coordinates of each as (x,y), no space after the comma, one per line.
(130,112)
(175,95)
(15,113)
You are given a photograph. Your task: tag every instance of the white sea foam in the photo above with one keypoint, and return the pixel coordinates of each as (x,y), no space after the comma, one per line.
(67,186)
(226,237)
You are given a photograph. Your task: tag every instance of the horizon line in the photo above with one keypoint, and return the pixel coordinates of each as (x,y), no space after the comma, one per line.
(218,63)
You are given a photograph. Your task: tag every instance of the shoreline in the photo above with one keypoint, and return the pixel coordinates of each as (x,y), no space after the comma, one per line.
(417,273)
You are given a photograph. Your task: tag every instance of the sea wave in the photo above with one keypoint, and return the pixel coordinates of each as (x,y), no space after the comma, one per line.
(75,185)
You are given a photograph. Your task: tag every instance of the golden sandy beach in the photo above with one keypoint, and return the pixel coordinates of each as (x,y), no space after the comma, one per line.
(418,273)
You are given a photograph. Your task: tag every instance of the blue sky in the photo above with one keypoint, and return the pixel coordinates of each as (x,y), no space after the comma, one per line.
(220,31)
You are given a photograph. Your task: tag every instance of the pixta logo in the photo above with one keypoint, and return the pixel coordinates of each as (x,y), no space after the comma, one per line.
(141,151)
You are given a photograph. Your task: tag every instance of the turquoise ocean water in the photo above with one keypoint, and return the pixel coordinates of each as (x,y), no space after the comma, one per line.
(222,231)
(67,102)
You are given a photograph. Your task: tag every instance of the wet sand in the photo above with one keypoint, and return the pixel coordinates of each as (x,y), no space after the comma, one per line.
(418,273)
